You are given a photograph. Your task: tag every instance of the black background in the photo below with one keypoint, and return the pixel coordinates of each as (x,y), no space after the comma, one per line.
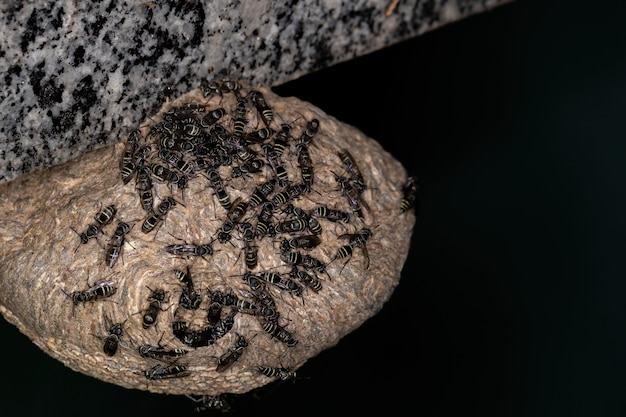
(512,300)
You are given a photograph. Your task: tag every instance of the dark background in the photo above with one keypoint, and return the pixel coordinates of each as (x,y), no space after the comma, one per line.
(512,301)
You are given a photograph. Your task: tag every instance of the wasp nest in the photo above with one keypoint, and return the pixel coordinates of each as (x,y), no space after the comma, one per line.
(218,247)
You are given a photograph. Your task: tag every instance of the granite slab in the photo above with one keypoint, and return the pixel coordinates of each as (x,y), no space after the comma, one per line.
(79,75)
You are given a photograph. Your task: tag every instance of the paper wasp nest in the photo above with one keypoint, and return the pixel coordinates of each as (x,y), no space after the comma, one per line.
(221,244)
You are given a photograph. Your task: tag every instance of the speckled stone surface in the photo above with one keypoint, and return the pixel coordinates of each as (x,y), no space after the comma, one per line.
(78,75)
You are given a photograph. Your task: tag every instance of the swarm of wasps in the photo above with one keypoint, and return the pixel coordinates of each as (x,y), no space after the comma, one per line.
(195,142)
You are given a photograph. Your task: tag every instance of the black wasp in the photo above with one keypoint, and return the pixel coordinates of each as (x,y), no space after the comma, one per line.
(111,342)
(99,290)
(190,250)
(159,352)
(309,132)
(330,214)
(159,371)
(409,194)
(282,373)
(353,170)
(265,111)
(211,402)
(214,312)
(308,280)
(127,164)
(155,218)
(114,248)
(279,332)
(303,242)
(295,258)
(215,181)
(150,316)
(250,249)
(356,240)
(103,218)
(355,200)
(189,298)
(227,359)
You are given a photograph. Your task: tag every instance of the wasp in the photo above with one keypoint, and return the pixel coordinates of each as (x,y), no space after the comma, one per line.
(330,214)
(164,173)
(275,162)
(190,250)
(141,155)
(257,198)
(265,111)
(150,223)
(356,240)
(154,307)
(214,312)
(283,374)
(159,371)
(260,136)
(218,188)
(297,190)
(211,402)
(250,249)
(281,140)
(300,242)
(280,333)
(191,130)
(238,210)
(281,282)
(409,194)
(240,121)
(103,218)
(292,226)
(263,220)
(352,169)
(251,166)
(310,131)
(290,193)
(212,117)
(267,306)
(353,195)
(165,206)
(305,164)
(246,307)
(306,279)
(193,338)
(231,86)
(179,164)
(225,234)
(210,88)
(158,216)
(226,360)
(106,215)
(127,163)
(260,194)
(143,186)
(114,248)
(189,298)
(111,342)
(295,258)
(222,327)
(90,233)
(99,290)
(159,352)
